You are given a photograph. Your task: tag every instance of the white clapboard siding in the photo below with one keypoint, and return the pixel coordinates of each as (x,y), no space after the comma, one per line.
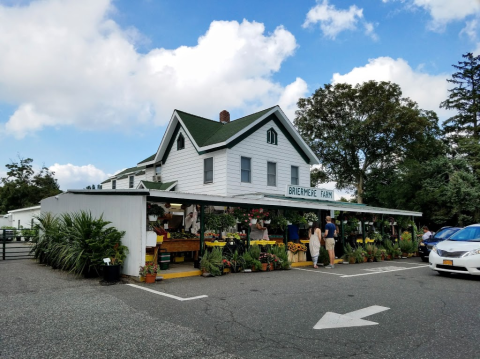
(148,176)
(256,147)
(186,167)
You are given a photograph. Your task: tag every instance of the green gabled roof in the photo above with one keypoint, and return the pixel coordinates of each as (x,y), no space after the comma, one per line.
(158,185)
(207,132)
(131,169)
(106,181)
(200,128)
(140,173)
(148,159)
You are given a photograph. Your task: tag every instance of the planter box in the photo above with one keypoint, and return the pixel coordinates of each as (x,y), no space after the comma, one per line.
(302,256)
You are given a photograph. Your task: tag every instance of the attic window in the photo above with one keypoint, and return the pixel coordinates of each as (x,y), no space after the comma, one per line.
(272,137)
(180,142)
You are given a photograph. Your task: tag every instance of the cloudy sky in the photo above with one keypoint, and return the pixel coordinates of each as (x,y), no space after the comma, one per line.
(87,87)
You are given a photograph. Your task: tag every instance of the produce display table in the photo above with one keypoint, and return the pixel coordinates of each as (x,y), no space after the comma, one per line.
(181,245)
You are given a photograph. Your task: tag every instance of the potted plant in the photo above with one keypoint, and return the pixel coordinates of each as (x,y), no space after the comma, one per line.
(348,254)
(266,218)
(255,215)
(211,262)
(112,269)
(310,217)
(292,252)
(154,211)
(265,259)
(149,271)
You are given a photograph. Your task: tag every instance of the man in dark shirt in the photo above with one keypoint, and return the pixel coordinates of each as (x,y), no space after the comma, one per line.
(330,231)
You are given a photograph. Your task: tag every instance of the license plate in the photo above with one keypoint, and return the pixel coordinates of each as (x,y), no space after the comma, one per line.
(447,262)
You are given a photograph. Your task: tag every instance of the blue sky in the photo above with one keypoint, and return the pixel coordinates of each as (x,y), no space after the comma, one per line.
(87,87)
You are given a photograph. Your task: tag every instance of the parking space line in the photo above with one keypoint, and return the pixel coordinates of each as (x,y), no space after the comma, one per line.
(416,264)
(387,271)
(165,294)
(317,271)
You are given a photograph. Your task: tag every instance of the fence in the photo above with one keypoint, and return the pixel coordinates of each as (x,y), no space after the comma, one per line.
(16,243)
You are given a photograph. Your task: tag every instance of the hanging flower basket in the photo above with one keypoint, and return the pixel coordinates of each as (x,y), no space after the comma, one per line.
(152,217)
(267,221)
(253,221)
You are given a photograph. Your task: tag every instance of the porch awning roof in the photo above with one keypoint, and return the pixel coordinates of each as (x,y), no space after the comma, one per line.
(272,201)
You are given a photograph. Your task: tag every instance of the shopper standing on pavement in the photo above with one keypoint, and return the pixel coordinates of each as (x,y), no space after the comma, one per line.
(314,235)
(330,231)
(426,233)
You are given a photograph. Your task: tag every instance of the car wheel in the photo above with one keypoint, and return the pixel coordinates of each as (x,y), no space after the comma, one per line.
(424,259)
(444,274)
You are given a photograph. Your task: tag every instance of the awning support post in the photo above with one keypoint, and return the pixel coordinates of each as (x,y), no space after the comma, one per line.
(202,230)
(342,229)
(363,229)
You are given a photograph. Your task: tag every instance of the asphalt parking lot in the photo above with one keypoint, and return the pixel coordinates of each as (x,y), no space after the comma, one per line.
(395,309)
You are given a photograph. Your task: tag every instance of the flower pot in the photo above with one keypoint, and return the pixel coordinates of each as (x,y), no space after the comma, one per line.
(289,223)
(310,224)
(267,221)
(345,222)
(302,256)
(271,266)
(351,260)
(253,221)
(365,259)
(152,217)
(254,269)
(111,273)
(292,257)
(370,223)
(238,222)
(226,270)
(370,259)
(264,267)
(404,255)
(150,278)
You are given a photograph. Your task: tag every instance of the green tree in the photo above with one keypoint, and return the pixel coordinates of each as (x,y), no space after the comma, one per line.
(354,130)
(22,187)
(463,129)
(464,98)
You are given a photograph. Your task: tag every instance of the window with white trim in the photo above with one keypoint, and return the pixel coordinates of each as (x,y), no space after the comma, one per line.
(294,175)
(246,169)
(208,170)
(131,181)
(272,137)
(114,184)
(271,174)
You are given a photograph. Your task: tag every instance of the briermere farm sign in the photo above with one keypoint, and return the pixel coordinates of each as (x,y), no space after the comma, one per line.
(309,193)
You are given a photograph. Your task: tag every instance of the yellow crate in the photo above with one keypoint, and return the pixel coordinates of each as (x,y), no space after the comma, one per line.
(263,242)
(168,235)
(215,244)
(149,258)
(159,239)
(179,259)
(304,241)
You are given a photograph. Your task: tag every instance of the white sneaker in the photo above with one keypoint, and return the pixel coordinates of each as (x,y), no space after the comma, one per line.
(330,266)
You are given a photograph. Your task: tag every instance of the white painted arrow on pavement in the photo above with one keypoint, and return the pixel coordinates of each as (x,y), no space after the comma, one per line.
(352,319)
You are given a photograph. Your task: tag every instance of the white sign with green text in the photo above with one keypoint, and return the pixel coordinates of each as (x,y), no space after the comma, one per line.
(309,193)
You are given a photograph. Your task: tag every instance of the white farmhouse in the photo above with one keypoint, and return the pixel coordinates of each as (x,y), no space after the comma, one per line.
(259,153)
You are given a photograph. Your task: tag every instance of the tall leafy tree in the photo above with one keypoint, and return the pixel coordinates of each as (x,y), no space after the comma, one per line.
(463,129)
(465,99)
(22,187)
(354,130)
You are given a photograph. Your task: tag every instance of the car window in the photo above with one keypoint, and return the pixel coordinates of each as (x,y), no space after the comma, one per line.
(467,234)
(446,233)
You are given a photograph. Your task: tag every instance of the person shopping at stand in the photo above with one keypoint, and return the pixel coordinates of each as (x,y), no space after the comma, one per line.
(330,231)
(314,235)
(258,232)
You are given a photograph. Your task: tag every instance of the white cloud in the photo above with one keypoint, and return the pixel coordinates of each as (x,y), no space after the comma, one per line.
(67,63)
(288,100)
(471,29)
(333,21)
(427,90)
(74,177)
(445,11)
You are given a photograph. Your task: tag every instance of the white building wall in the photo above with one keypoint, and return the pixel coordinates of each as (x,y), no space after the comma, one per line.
(127,213)
(256,147)
(22,218)
(186,167)
(5,220)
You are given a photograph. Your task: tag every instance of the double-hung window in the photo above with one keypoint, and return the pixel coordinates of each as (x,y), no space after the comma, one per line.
(208,170)
(271,174)
(131,180)
(246,169)
(294,175)
(114,184)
